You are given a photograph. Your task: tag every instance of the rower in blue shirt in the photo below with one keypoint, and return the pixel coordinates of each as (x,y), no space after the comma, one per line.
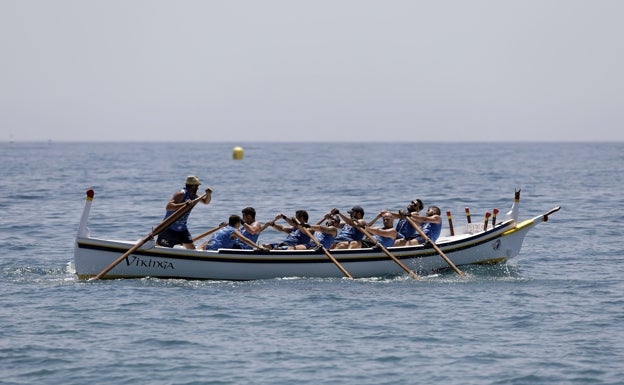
(383,235)
(431,225)
(224,238)
(325,234)
(349,236)
(250,227)
(296,239)
(405,231)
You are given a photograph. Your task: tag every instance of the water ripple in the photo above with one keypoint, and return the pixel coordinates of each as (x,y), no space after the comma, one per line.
(551,315)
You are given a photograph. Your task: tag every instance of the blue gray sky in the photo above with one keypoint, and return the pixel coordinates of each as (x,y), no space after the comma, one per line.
(323,70)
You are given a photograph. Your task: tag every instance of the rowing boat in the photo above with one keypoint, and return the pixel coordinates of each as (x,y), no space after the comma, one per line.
(469,244)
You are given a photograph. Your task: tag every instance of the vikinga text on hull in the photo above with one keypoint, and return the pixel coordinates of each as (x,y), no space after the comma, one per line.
(492,240)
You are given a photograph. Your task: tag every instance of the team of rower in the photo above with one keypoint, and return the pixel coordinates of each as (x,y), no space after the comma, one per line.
(334,231)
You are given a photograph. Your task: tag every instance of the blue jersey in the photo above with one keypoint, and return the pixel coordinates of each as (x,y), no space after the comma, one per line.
(296,237)
(405,230)
(432,230)
(349,233)
(222,239)
(325,240)
(180,224)
(385,241)
(250,236)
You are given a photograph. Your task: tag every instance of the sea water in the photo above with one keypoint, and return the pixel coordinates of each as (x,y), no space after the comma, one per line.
(554,314)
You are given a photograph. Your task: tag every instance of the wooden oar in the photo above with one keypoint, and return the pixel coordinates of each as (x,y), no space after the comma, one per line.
(197,238)
(422,234)
(331,257)
(388,253)
(157,230)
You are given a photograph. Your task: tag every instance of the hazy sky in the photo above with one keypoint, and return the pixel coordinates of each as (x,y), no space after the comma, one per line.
(264,70)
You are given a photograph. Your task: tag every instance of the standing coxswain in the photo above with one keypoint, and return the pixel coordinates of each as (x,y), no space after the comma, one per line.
(178,232)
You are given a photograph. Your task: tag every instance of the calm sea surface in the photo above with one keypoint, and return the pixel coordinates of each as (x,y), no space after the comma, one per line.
(553,315)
